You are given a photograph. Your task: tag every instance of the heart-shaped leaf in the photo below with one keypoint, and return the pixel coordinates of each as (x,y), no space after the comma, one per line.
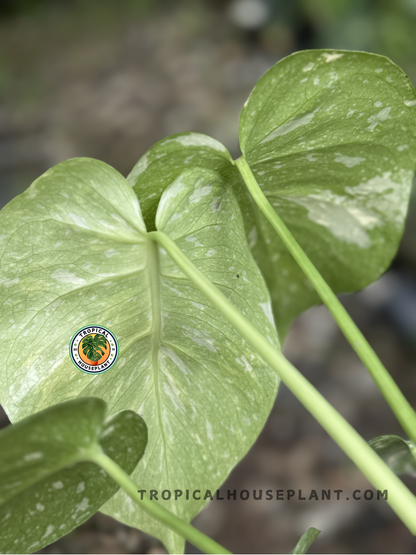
(75,252)
(330,137)
(398,454)
(48,487)
(167,159)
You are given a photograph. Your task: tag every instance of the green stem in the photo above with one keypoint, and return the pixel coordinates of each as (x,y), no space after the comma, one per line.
(187,531)
(388,387)
(306,541)
(376,471)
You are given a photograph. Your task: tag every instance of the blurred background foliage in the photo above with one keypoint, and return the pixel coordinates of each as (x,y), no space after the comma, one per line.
(109,78)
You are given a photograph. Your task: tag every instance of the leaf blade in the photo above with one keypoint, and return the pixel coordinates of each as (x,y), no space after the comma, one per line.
(170,353)
(195,211)
(166,160)
(334,158)
(397,453)
(47,485)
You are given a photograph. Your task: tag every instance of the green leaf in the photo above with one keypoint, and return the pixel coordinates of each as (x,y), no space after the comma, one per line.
(397,453)
(306,540)
(167,159)
(48,487)
(330,138)
(203,392)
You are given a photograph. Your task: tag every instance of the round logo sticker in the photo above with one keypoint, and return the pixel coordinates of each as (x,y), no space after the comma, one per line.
(94,349)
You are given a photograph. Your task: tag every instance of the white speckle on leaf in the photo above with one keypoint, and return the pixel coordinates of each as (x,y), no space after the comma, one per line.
(378,104)
(331,57)
(400,148)
(252,237)
(170,353)
(386,195)
(81,485)
(376,119)
(32,192)
(139,168)
(308,67)
(33,456)
(331,211)
(65,276)
(348,161)
(110,253)
(329,109)
(379,70)
(78,220)
(242,361)
(49,531)
(194,240)
(290,126)
(267,309)
(173,393)
(199,193)
(367,220)
(9,282)
(107,225)
(58,485)
(81,507)
(410,103)
(40,507)
(209,430)
(316,81)
(210,252)
(204,340)
(107,432)
(173,289)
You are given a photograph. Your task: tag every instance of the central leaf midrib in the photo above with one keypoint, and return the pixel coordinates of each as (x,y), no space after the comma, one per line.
(156,336)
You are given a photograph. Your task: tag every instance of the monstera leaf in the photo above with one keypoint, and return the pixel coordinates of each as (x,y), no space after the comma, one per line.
(75,252)
(94,347)
(48,484)
(331,138)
